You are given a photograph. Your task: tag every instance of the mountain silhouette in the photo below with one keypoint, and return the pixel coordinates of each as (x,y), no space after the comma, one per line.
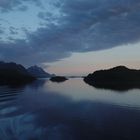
(38,72)
(117,78)
(14,73)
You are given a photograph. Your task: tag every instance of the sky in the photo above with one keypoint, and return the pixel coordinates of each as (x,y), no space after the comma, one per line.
(70,37)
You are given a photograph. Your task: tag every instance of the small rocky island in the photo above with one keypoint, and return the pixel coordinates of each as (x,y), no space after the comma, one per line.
(117,78)
(58,79)
(12,73)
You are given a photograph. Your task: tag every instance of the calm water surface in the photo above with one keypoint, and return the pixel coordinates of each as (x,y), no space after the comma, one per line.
(71,110)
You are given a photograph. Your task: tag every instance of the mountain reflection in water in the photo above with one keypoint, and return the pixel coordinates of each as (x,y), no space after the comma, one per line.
(71,110)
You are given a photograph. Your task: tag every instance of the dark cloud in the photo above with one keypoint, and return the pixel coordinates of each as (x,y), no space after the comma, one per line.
(80,26)
(8,5)
(13,30)
(1,31)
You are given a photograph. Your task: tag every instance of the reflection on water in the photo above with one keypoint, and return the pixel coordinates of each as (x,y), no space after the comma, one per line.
(78,90)
(71,110)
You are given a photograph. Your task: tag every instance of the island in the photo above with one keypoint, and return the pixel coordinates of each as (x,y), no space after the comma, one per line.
(58,79)
(117,78)
(12,73)
(38,72)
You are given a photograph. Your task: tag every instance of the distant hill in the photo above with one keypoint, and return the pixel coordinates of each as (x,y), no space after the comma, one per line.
(58,79)
(14,73)
(38,72)
(119,78)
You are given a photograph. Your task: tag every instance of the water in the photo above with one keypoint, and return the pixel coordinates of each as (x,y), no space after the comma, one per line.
(71,110)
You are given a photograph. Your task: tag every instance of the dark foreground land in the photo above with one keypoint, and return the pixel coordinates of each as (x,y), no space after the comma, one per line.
(117,78)
(12,73)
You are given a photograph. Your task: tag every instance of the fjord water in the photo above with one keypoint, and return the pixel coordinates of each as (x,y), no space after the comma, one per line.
(71,110)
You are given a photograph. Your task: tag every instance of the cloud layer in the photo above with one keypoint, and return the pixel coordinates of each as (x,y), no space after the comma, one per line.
(8,5)
(75,26)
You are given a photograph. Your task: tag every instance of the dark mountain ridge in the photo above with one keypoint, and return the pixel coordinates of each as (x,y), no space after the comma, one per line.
(119,77)
(14,73)
(38,72)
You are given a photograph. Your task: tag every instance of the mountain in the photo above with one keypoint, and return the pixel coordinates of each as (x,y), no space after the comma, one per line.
(117,78)
(14,73)
(38,72)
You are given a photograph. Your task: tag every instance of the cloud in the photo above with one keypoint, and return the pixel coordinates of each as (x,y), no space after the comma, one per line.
(8,5)
(13,30)
(23,8)
(1,31)
(77,26)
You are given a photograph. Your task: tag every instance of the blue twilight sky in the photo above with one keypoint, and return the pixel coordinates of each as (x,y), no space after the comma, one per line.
(70,37)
